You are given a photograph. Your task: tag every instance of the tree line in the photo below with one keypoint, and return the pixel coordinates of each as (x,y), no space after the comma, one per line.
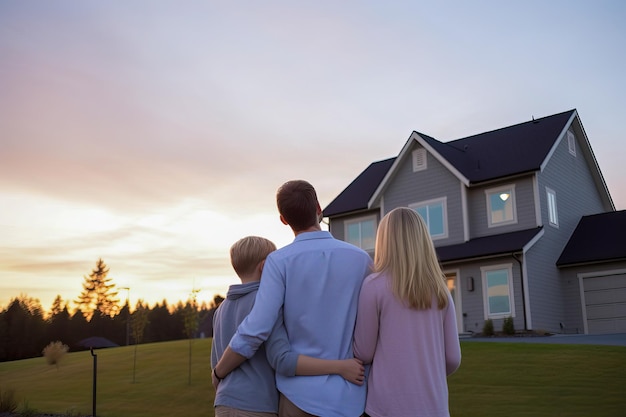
(25,329)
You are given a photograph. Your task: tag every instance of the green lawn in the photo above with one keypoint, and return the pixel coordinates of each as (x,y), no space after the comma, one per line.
(520,379)
(161,386)
(495,379)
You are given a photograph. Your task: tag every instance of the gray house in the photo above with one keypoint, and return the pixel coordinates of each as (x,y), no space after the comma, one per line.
(521,217)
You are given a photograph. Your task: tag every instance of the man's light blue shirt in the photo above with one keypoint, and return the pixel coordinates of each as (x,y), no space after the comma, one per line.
(314,283)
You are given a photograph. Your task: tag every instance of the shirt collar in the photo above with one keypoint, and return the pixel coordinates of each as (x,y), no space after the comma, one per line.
(321,234)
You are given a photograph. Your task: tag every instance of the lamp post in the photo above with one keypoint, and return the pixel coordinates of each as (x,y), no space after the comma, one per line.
(128,314)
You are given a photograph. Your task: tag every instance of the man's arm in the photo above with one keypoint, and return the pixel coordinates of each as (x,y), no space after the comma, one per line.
(229,361)
(257,326)
(352,370)
(289,363)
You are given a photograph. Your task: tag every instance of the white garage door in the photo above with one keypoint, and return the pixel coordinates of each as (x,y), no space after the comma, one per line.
(605,302)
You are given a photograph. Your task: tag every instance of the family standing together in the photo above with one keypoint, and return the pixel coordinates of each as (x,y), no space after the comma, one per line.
(318,329)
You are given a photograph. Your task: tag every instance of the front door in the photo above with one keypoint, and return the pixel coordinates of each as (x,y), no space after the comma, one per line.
(452,280)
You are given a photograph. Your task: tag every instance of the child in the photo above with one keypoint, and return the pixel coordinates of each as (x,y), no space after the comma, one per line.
(406,323)
(252,387)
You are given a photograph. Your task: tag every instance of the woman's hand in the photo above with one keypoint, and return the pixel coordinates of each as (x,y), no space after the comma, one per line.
(352,370)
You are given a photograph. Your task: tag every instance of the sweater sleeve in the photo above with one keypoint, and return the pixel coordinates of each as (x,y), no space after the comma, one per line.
(451,335)
(366,329)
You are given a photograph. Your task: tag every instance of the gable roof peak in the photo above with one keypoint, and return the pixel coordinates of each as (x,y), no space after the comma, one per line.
(503,152)
(506,152)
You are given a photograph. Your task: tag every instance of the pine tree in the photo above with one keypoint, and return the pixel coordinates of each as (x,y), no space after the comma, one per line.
(57,306)
(59,321)
(98,293)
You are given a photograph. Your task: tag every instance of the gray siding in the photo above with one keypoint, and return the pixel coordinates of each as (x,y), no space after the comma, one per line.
(576,195)
(473,301)
(408,187)
(524,203)
(572,308)
(546,288)
(570,177)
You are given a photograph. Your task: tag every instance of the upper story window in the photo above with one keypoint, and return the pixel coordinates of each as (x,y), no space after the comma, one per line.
(498,291)
(501,206)
(553,215)
(419,159)
(571,142)
(361,232)
(434,213)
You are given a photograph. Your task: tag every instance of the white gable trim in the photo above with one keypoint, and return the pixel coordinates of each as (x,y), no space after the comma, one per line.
(587,152)
(441,159)
(464,211)
(388,175)
(526,295)
(532,241)
(537,200)
(402,156)
(557,142)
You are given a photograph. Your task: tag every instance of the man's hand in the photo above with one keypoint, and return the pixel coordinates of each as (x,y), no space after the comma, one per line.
(227,363)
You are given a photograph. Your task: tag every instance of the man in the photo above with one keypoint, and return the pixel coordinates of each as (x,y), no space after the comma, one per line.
(312,285)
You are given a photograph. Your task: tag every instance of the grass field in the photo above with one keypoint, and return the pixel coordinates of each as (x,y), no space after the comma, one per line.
(524,380)
(495,379)
(161,386)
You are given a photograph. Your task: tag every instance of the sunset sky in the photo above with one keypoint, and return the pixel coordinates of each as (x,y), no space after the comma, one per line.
(154,134)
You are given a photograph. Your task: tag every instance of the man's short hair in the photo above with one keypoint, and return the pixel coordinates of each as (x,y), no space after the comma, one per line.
(248,252)
(297,203)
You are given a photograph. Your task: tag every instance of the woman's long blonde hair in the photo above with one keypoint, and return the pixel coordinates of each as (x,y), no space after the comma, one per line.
(405,250)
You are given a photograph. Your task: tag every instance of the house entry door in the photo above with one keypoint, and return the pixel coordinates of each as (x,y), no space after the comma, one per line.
(452,280)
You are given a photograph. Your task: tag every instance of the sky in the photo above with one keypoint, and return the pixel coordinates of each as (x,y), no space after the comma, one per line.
(154,134)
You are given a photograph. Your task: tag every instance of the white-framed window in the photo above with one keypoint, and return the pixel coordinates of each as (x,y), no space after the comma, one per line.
(571,142)
(501,207)
(435,214)
(553,214)
(419,159)
(498,291)
(361,232)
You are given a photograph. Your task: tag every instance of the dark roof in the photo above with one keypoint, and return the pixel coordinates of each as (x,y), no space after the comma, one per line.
(597,238)
(487,246)
(357,195)
(500,153)
(504,152)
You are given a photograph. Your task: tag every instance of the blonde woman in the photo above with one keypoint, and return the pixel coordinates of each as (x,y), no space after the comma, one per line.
(406,323)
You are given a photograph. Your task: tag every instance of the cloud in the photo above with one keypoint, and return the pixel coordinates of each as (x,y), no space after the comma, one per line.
(155,136)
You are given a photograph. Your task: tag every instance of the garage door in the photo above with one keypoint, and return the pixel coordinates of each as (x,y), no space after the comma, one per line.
(605,303)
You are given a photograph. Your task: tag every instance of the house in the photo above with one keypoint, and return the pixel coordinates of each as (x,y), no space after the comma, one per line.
(521,218)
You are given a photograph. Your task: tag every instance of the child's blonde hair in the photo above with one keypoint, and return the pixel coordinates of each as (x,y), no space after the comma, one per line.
(405,250)
(248,252)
